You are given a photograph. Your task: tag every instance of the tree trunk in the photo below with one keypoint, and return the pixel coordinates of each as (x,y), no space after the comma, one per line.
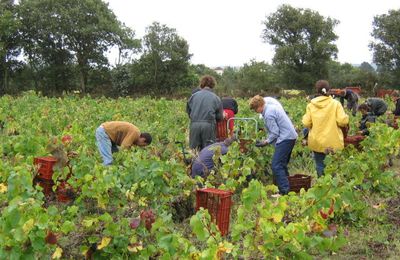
(82,81)
(82,73)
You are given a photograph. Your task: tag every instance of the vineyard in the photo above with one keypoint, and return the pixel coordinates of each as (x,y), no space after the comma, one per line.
(142,207)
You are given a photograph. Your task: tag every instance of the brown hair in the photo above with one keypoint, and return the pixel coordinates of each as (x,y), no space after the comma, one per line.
(322,87)
(207,81)
(256,102)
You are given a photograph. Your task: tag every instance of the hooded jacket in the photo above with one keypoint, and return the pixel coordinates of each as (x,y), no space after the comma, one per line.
(324,117)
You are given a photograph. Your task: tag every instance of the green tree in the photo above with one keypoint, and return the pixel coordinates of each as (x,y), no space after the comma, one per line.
(344,75)
(304,44)
(257,76)
(64,32)
(9,42)
(365,66)
(164,64)
(386,47)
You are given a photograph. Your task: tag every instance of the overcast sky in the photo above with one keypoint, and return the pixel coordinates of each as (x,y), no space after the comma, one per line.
(228,32)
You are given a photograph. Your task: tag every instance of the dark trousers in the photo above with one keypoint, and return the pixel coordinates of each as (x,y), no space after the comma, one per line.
(319,163)
(201,134)
(280,160)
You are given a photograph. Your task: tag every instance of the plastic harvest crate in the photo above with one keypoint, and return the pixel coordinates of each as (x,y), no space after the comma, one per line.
(298,181)
(354,140)
(45,164)
(221,130)
(218,203)
(355,89)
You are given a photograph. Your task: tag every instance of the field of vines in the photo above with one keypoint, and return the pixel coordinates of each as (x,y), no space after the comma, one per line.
(142,207)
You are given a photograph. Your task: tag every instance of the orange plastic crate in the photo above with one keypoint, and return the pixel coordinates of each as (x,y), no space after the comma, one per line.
(45,164)
(218,203)
(221,130)
(355,89)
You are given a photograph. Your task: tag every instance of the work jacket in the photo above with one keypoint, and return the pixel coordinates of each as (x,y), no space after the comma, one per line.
(324,117)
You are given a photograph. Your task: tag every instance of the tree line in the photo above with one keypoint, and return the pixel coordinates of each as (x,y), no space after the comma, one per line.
(57,46)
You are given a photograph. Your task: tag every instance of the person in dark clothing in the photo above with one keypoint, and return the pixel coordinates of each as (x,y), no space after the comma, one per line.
(396,99)
(204,109)
(377,106)
(230,107)
(352,100)
(204,163)
(366,119)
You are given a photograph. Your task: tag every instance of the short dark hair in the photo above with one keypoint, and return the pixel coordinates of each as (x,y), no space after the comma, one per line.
(322,87)
(364,106)
(207,81)
(147,137)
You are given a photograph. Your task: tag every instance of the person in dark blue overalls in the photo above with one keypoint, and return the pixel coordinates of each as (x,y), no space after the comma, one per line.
(204,163)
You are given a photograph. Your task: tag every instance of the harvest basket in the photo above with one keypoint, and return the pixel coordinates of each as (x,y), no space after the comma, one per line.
(244,145)
(298,181)
(221,130)
(354,140)
(45,166)
(218,203)
(65,193)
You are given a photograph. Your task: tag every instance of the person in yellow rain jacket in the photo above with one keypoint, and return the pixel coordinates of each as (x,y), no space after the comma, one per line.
(324,117)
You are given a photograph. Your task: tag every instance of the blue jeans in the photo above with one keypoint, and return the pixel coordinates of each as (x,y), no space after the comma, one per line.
(105,145)
(319,163)
(280,160)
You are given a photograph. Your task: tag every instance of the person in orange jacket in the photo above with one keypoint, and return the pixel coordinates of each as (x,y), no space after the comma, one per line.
(324,116)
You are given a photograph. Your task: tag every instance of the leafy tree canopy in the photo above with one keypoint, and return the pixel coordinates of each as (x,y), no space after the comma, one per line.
(304,44)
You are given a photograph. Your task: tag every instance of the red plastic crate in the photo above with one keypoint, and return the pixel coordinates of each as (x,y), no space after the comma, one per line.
(221,130)
(45,164)
(218,203)
(381,93)
(335,91)
(64,192)
(355,89)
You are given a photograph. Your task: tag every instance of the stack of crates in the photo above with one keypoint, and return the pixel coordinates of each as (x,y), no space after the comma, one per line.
(45,173)
(218,203)
(45,179)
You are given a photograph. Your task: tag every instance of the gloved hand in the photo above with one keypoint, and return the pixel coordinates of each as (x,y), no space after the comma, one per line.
(261,143)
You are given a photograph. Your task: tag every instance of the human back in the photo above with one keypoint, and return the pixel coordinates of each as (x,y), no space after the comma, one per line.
(325,116)
(204,106)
